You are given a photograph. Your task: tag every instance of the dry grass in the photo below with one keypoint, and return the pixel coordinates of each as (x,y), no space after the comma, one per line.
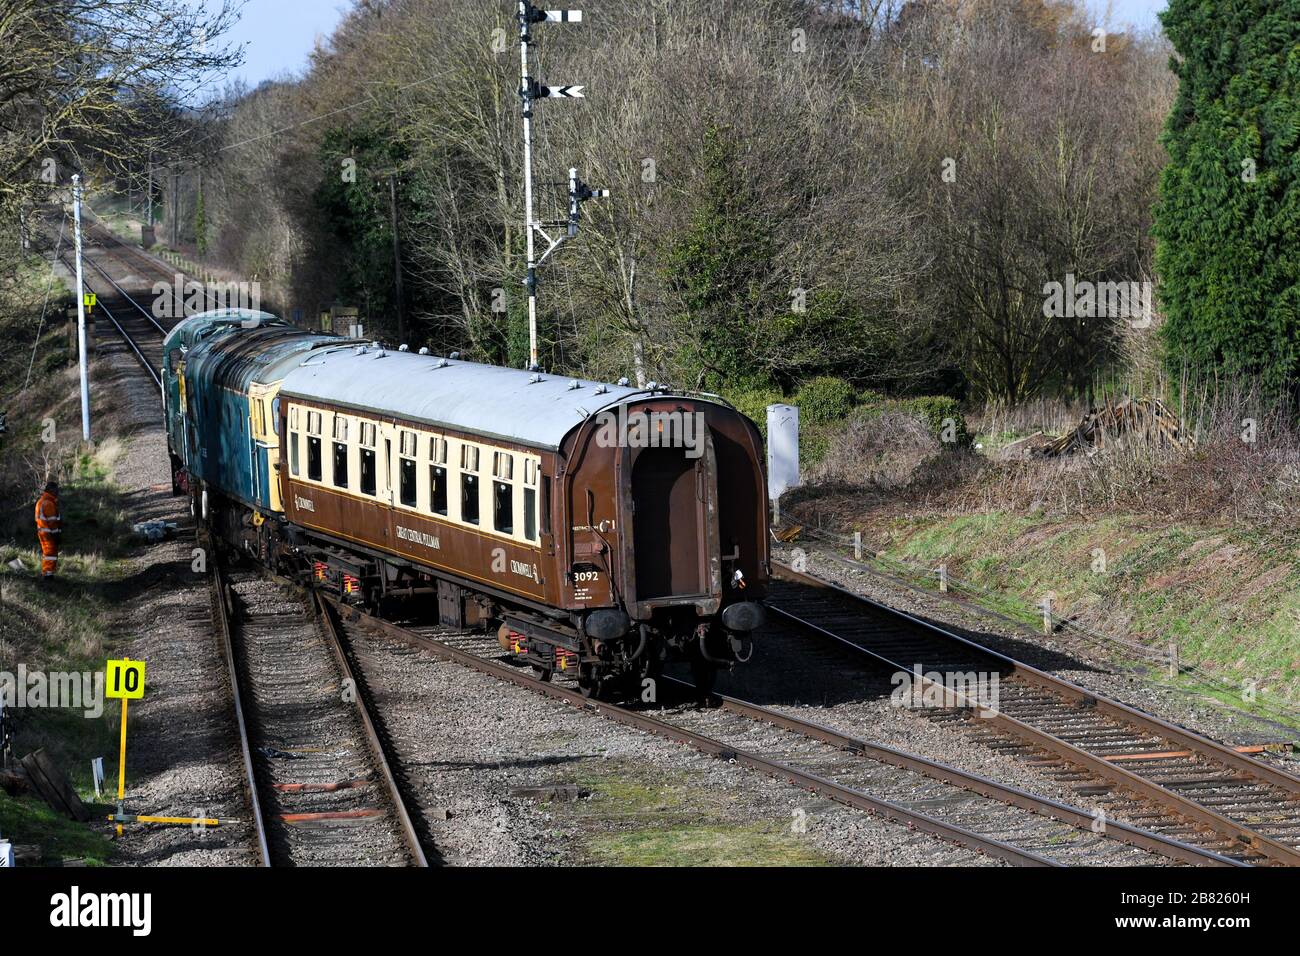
(1244,468)
(881,451)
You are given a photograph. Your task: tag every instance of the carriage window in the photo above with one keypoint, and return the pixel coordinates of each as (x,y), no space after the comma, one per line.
(368,434)
(293,417)
(340,428)
(340,463)
(293,453)
(530,514)
(408,445)
(468,458)
(469,499)
(367,467)
(546,504)
(503,507)
(313,458)
(438,489)
(438,451)
(407,481)
(503,465)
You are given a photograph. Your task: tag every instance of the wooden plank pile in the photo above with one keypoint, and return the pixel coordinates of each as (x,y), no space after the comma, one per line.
(1148,420)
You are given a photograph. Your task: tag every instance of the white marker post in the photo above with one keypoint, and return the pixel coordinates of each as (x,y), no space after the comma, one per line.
(81,311)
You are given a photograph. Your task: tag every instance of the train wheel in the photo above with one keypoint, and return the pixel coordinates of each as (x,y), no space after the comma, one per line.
(544,674)
(591,686)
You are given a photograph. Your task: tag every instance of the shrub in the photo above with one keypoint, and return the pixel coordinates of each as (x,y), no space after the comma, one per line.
(880,449)
(824,399)
(752,403)
(939,413)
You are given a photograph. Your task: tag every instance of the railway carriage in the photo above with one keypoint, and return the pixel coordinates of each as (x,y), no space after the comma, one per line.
(601,528)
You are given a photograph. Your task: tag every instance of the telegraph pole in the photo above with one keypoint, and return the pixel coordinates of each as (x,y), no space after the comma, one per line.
(81,310)
(529,90)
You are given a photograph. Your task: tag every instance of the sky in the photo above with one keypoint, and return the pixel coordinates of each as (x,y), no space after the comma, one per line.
(279,34)
(1140,13)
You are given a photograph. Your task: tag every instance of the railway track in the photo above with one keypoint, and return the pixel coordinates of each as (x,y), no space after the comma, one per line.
(137,326)
(320,775)
(1021,830)
(1163,778)
(962,808)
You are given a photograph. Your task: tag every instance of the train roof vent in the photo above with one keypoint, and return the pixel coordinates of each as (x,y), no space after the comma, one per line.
(441,363)
(424,350)
(403,347)
(602,389)
(622,382)
(534,378)
(361,350)
(575,384)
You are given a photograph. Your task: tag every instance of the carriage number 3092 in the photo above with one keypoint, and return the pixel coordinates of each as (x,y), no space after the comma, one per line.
(586,576)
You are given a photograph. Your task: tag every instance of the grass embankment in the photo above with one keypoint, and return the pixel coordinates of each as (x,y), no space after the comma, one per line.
(62,628)
(638,817)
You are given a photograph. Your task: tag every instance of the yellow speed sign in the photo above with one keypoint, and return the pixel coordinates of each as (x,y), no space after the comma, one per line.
(125,679)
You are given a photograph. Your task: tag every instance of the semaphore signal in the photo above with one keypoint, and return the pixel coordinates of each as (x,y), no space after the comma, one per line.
(531,90)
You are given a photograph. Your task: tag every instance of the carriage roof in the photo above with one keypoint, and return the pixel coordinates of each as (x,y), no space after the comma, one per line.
(533,408)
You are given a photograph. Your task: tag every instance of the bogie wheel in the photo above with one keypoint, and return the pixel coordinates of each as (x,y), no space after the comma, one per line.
(590,685)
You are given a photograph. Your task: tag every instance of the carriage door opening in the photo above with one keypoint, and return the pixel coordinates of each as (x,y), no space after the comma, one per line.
(668,523)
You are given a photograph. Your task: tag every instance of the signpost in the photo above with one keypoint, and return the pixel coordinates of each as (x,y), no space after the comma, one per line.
(126,681)
(530,90)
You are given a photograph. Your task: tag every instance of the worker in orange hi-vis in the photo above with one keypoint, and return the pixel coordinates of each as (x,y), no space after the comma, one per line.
(49,527)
